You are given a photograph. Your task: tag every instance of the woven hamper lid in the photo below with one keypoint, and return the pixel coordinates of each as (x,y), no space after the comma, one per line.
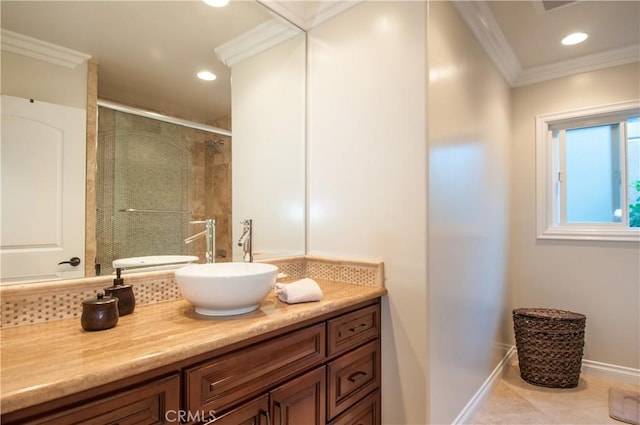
(548,313)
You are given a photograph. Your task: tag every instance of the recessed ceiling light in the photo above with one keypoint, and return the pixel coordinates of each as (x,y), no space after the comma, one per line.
(217,3)
(575,38)
(206,75)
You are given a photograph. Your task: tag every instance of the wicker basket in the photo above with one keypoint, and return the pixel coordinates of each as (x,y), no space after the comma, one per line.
(550,344)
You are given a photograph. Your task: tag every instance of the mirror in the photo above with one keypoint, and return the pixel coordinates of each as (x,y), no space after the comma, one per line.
(177,39)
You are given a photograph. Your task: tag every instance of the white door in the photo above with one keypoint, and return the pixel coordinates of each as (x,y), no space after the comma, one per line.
(42,155)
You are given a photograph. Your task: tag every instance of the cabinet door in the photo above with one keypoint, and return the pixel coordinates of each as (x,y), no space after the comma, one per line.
(254,412)
(301,401)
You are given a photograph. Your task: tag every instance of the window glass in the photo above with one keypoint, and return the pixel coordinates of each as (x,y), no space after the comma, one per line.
(592,174)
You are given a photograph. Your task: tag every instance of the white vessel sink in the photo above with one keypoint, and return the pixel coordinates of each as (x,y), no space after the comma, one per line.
(224,289)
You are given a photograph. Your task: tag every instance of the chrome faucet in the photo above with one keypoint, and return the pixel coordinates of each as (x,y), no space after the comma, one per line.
(245,240)
(210,237)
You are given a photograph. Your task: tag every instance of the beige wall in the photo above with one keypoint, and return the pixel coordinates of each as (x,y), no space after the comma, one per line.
(469,144)
(392,154)
(599,279)
(34,79)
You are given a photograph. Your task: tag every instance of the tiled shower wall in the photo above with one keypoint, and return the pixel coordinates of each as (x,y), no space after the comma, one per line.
(151,165)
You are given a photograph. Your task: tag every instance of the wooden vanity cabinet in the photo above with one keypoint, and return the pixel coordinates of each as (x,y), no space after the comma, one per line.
(325,371)
(347,348)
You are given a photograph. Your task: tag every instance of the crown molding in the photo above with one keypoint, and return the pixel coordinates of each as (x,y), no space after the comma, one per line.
(307,15)
(483,24)
(621,56)
(254,41)
(329,9)
(41,50)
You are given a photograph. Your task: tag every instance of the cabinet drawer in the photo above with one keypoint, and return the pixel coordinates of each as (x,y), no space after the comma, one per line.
(239,375)
(351,377)
(365,412)
(152,403)
(352,329)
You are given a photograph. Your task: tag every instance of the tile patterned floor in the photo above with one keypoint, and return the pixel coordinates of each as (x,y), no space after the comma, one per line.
(514,401)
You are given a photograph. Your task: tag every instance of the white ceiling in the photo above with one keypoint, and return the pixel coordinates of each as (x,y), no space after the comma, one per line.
(149,51)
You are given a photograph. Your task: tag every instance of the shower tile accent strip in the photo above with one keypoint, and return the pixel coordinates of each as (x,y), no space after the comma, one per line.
(48,301)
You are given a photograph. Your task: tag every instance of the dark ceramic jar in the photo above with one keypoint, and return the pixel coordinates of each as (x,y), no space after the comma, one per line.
(99,313)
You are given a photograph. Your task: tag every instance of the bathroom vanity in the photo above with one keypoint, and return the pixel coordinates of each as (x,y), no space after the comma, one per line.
(311,363)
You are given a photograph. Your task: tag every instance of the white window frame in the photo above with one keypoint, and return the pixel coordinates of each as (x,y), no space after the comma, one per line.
(548,222)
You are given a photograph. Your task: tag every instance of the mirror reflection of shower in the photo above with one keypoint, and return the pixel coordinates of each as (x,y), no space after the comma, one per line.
(155,177)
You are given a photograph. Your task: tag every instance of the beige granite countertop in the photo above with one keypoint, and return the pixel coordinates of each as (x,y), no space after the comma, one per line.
(45,361)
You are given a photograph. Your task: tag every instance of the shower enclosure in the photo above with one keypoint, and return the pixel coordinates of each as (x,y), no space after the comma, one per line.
(154,178)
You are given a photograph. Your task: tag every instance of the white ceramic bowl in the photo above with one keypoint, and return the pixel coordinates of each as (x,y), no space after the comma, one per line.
(224,289)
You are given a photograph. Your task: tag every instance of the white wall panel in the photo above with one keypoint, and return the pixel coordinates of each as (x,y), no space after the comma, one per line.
(367,174)
(268,149)
(469,107)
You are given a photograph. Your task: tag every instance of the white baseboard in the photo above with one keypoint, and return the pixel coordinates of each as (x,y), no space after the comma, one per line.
(473,406)
(611,371)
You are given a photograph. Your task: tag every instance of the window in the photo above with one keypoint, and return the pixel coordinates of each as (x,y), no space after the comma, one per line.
(588,174)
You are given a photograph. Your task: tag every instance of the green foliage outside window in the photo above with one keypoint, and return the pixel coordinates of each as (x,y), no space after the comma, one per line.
(634,209)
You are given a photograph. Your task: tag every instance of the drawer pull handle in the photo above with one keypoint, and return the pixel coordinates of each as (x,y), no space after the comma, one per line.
(356,376)
(212,385)
(358,327)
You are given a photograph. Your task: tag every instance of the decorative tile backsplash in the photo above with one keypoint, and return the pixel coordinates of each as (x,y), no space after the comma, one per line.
(48,301)
(355,272)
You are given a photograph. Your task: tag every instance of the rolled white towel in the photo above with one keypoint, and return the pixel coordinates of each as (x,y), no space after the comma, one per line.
(300,291)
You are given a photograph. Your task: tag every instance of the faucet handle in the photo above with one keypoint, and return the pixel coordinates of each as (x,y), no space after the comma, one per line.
(207,221)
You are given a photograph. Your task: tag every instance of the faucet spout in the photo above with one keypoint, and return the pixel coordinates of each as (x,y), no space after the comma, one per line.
(209,234)
(245,240)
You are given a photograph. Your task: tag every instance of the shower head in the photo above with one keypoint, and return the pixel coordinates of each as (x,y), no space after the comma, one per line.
(213,146)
